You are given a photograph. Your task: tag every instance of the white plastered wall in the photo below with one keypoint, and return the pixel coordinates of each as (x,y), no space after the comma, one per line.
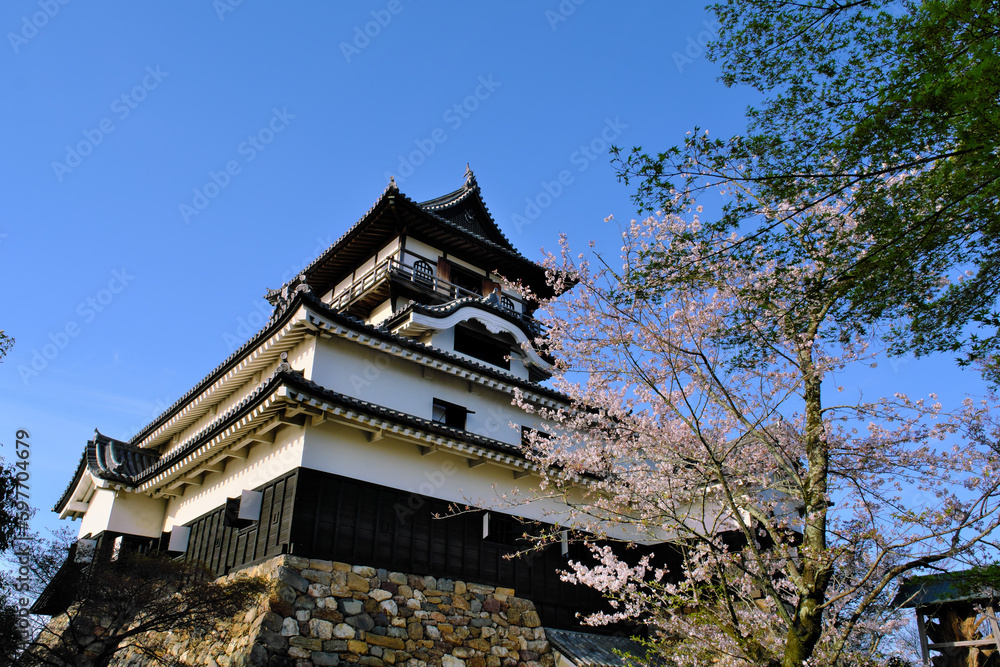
(264,463)
(359,371)
(123,512)
(346,451)
(419,248)
(380,313)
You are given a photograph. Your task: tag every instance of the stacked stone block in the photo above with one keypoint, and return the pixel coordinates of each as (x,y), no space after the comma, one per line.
(328,613)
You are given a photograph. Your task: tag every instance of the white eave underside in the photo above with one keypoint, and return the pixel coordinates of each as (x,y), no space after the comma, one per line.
(79,500)
(206,402)
(418,323)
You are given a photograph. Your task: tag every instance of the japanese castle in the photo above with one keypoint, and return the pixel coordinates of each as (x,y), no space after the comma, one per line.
(376,398)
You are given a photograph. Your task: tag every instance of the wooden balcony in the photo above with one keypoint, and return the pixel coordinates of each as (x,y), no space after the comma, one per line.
(373,288)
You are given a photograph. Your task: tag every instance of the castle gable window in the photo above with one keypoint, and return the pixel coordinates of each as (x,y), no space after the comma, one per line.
(481,346)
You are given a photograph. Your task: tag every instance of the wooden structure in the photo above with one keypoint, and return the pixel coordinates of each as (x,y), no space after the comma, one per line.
(956,621)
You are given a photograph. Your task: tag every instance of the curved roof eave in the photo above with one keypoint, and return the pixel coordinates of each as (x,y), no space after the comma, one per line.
(284,313)
(293,380)
(392,196)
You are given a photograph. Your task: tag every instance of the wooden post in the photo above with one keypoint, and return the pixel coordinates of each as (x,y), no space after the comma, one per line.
(992,613)
(925,654)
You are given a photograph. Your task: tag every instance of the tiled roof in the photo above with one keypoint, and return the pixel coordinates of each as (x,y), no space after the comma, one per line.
(109,459)
(114,460)
(585,649)
(941,588)
(431,351)
(437,210)
(295,380)
(305,297)
(142,468)
(281,314)
(248,402)
(470,190)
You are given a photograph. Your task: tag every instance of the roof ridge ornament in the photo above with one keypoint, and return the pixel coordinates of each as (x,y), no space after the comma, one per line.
(470,178)
(288,291)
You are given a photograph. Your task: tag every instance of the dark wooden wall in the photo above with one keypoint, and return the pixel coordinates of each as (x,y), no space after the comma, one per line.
(221,547)
(355,522)
(316,514)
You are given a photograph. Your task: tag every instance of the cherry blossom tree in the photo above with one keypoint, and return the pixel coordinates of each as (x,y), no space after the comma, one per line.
(703,373)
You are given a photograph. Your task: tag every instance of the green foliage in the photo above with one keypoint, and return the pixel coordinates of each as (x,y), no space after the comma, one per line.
(891,105)
(980,580)
(6,342)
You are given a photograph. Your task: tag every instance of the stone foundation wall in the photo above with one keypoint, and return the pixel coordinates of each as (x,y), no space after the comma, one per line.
(328,613)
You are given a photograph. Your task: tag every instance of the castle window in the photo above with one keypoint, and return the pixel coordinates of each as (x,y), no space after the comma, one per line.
(450,414)
(507,304)
(423,272)
(502,529)
(482,347)
(467,280)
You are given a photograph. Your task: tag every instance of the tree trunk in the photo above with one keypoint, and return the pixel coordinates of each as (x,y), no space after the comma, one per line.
(807,624)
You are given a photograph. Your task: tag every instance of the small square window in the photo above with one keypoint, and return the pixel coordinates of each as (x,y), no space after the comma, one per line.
(449,414)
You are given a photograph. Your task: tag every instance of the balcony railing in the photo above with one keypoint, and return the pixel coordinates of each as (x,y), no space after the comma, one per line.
(391,267)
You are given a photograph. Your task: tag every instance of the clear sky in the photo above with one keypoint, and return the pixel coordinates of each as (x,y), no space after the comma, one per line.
(165,163)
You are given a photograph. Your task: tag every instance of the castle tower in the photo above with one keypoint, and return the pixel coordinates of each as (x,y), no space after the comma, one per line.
(376,398)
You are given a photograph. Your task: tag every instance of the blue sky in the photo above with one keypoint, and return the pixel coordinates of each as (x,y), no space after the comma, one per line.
(166,163)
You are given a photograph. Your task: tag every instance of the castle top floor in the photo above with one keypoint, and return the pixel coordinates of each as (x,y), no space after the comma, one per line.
(430,253)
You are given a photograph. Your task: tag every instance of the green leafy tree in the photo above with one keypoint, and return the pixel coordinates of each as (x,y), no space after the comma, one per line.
(894,103)
(6,342)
